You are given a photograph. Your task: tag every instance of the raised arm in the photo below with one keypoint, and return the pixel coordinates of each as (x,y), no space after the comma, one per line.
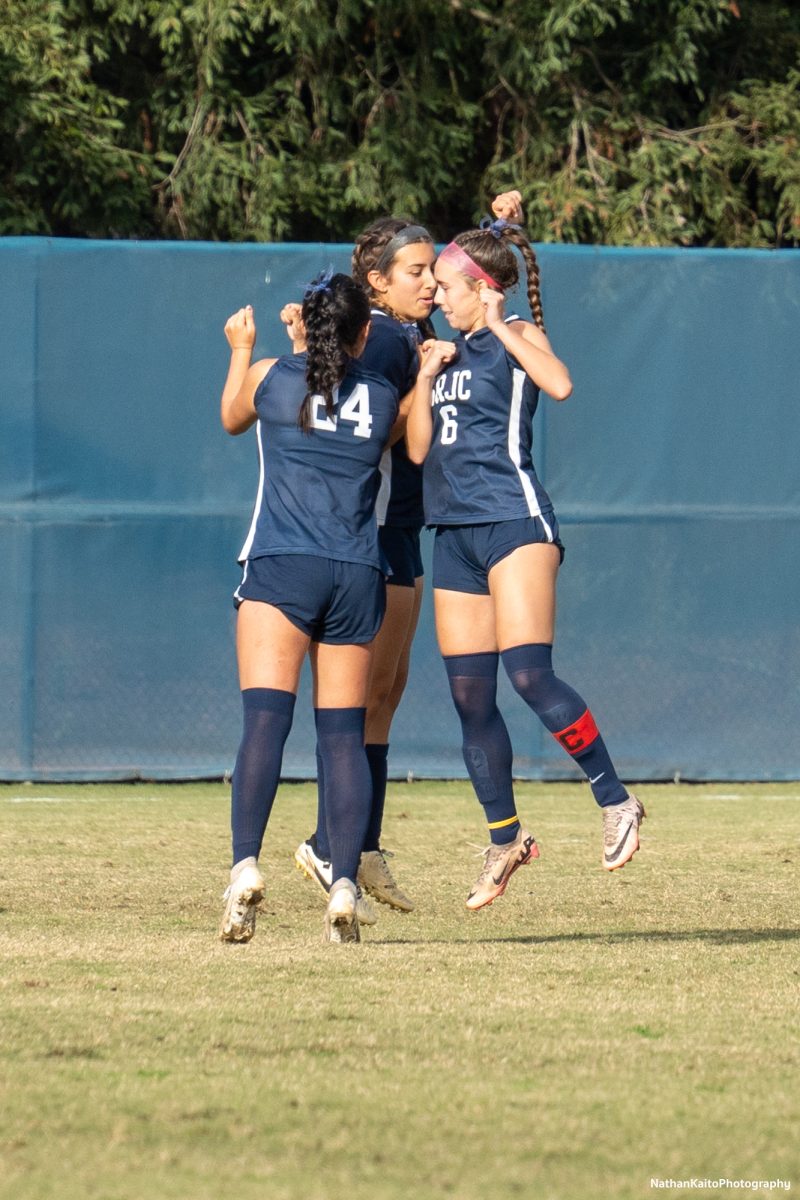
(419,426)
(237,405)
(508,205)
(529,346)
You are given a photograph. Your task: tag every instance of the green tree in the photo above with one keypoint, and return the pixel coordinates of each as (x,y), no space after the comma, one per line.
(67,166)
(650,123)
(642,123)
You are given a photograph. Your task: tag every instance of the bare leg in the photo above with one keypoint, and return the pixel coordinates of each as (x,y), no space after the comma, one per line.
(269,648)
(523,587)
(392,652)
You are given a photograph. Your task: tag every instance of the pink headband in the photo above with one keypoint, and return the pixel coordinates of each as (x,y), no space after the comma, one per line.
(462,262)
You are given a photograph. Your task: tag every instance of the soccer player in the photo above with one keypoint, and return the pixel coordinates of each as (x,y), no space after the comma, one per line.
(312,581)
(497,549)
(393,259)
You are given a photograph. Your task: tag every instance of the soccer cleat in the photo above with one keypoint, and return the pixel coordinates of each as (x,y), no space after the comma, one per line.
(366,912)
(242,898)
(500,863)
(313,867)
(341,915)
(621,832)
(376,878)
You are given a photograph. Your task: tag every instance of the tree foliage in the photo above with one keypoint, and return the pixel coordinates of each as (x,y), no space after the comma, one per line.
(629,122)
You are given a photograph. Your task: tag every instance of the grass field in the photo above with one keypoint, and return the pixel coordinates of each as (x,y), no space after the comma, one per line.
(586,1035)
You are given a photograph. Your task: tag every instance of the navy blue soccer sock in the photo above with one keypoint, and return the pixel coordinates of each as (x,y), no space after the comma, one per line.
(485,742)
(267,719)
(319,839)
(378,759)
(348,787)
(565,714)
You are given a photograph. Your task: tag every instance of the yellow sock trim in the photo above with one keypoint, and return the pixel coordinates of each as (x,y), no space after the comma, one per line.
(502,824)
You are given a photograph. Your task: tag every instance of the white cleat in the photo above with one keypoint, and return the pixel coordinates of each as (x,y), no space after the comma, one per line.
(341,915)
(313,867)
(621,832)
(242,898)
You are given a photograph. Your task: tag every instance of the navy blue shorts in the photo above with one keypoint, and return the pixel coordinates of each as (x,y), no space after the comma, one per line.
(339,603)
(400,546)
(463,555)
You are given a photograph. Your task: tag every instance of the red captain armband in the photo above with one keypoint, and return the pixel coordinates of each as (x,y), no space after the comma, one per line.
(578,736)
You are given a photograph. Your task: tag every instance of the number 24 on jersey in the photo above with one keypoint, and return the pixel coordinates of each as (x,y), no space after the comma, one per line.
(355,410)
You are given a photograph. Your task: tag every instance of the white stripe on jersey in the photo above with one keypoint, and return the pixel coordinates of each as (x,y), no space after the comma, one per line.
(514,451)
(245,550)
(385,488)
(237,593)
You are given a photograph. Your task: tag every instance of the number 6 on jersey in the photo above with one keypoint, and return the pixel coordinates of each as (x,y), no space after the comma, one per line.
(448,413)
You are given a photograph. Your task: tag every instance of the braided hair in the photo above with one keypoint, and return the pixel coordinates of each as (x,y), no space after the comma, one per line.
(335,311)
(489,248)
(369,254)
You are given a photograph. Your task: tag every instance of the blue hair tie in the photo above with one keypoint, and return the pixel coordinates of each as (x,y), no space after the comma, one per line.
(321,284)
(495,228)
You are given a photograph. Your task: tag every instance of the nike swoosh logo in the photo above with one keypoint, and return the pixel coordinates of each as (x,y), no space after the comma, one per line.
(597,777)
(504,874)
(620,845)
(522,857)
(321,878)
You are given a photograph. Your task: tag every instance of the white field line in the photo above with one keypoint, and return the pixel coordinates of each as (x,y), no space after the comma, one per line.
(76,799)
(749,796)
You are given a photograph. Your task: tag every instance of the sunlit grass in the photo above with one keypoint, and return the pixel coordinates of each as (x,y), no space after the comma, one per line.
(583,1035)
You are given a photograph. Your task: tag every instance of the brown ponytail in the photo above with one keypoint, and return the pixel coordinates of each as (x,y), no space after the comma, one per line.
(491,250)
(335,311)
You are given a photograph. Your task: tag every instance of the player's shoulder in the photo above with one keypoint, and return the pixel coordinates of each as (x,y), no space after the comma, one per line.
(387,330)
(529,330)
(361,372)
(384,323)
(282,388)
(263,373)
(294,362)
(287,364)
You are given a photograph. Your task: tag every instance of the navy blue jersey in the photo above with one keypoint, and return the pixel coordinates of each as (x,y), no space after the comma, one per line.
(317,490)
(480,467)
(391,351)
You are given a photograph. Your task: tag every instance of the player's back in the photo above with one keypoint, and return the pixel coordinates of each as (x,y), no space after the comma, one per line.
(318,488)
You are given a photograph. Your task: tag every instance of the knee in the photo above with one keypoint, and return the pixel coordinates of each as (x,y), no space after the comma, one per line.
(532,684)
(398,686)
(474,703)
(473,685)
(381,692)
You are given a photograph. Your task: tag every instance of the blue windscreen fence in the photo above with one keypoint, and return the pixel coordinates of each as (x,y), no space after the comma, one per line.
(673,469)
